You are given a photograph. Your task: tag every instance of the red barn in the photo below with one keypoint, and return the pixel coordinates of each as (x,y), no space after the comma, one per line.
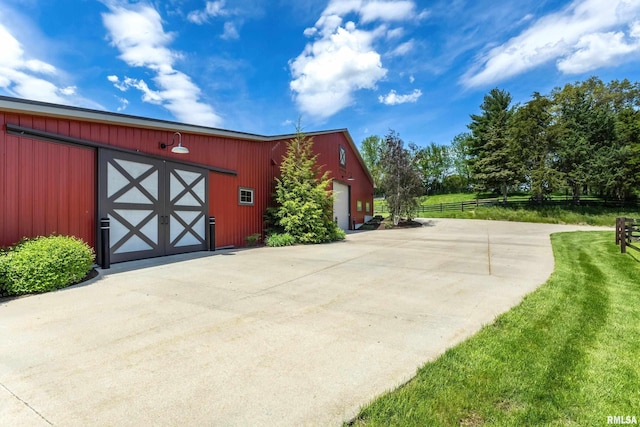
(64,168)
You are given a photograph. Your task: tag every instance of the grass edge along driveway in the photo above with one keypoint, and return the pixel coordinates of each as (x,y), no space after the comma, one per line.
(569,354)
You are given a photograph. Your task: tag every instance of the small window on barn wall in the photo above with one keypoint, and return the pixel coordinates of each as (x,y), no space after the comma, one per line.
(359,205)
(245,196)
(342,153)
(368,207)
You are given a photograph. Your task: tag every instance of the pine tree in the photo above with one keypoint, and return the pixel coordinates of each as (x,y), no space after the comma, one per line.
(305,202)
(495,164)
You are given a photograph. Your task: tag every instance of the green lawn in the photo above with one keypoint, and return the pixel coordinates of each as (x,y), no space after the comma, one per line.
(453,198)
(441,198)
(552,215)
(590,215)
(568,355)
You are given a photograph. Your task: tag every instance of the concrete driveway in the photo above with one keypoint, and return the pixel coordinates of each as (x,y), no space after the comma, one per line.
(300,335)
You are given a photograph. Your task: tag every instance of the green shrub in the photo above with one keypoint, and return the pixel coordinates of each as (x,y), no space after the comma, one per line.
(44,264)
(280,239)
(337,234)
(3,257)
(253,239)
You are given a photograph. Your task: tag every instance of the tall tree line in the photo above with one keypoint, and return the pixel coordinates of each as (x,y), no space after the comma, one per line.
(582,138)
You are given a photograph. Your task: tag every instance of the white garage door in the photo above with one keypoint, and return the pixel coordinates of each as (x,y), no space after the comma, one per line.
(341,204)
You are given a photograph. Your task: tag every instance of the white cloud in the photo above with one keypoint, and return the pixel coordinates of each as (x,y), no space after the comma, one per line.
(597,50)
(395,33)
(117,83)
(386,11)
(30,78)
(139,36)
(392,98)
(342,58)
(230,31)
(212,9)
(635,30)
(68,91)
(403,48)
(124,103)
(577,37)
(328,72)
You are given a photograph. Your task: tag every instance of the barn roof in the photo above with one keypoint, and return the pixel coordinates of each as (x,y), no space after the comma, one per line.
(26,106)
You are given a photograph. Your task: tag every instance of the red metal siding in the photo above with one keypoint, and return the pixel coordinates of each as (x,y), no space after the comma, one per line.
(326,146)
(48,168)
(45,188)
(252,161)
(48,187)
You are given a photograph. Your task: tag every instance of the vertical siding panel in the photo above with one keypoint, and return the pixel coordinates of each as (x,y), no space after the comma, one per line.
(63,178)
(4,171)
(11,211)
(13,191)
(3,180)
(52,169)
(92,197)
(74,129)
(87,204)
(40,194)
(25,172)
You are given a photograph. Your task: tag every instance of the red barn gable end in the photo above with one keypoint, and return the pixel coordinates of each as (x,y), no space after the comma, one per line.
(63,168)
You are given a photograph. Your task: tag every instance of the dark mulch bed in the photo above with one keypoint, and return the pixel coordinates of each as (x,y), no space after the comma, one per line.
(378,223)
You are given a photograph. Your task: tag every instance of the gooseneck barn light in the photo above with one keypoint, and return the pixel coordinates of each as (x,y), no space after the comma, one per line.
(178,148)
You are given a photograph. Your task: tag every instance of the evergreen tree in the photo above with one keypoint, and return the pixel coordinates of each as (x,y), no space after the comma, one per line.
(305,202)
(494,161)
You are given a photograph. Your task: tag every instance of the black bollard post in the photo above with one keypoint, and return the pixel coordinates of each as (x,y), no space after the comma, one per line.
(105,248)
(212,233)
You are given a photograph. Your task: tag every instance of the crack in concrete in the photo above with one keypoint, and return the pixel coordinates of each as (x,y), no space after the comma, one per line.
(26,404)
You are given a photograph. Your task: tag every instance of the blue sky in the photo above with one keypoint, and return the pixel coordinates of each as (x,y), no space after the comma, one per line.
(417,67)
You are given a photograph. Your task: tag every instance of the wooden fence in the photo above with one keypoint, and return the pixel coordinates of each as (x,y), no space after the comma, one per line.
(627,233)
(518,203)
